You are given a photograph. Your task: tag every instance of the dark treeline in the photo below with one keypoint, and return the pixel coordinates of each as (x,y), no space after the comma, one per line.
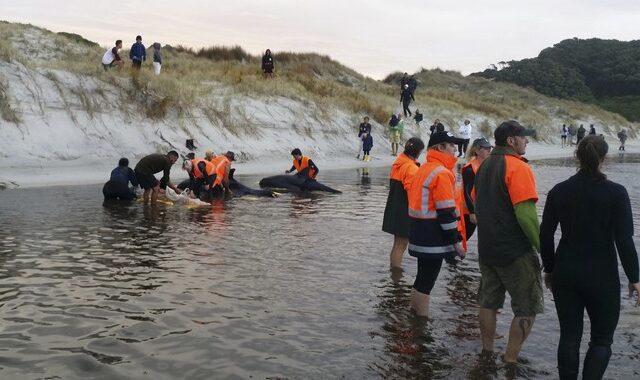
(605,72)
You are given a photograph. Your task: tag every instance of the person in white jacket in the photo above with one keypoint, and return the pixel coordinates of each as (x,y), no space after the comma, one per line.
(464,132)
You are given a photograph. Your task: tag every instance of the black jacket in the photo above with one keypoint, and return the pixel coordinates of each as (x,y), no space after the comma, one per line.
(406,96)
(595,218)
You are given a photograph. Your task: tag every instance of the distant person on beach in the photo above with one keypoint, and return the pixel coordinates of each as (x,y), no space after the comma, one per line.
(580,135)
(572,134)
(464,133)
(137,54)
(437,126)
(433,217)
(112,57)
(267,64)
(592,130)
(396,216)
(364,128)
(157,58)
(150,165)
(117,187)
(367,145)
(622,136)
(396,126)
(406,96)
(418,117)
(301,163)
(596,220)
(508,238)
(479,151)
(563,135)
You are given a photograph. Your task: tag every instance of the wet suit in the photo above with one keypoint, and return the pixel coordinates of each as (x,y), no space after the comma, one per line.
(596,219)
(117,187)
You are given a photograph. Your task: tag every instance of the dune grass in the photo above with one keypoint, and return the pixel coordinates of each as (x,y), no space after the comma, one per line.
(201,81)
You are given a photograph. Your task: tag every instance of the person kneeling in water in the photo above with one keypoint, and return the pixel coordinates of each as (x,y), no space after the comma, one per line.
(221,182)
(300,163)
(117,187)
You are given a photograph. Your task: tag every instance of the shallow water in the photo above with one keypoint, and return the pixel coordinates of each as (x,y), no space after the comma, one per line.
(293,287)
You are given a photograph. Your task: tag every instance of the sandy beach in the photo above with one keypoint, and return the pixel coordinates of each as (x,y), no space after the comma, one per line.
(84,172)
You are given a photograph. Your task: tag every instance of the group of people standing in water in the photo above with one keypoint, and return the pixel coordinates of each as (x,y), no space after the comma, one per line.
(433,216)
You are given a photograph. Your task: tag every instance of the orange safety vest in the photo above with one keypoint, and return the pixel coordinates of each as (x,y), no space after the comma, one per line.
(216,160)
(403,170)
(209,168)
(303,164)
(220,170)
(433,187)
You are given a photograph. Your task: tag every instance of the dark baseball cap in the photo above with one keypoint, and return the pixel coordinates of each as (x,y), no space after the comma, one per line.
(443,137)
(230,155)
(511,128)
(482,143)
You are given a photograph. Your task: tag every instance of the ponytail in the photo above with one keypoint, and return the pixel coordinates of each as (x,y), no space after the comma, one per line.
(591,152)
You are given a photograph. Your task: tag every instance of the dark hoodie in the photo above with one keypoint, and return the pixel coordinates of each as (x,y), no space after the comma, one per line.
(156,52)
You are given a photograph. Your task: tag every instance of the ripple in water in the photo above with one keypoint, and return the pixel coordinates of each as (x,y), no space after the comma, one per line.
(293,287)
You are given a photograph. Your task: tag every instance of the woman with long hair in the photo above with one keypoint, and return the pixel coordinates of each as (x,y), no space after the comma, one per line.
(582,272)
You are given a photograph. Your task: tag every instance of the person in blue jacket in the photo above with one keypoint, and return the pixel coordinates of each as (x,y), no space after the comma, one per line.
(138,53)
(117,187)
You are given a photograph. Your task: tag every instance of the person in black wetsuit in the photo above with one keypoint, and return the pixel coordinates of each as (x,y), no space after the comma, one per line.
(117,187)
(267,64)
(595,218)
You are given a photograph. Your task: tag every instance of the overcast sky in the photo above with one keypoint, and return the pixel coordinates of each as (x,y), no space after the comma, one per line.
(374,37)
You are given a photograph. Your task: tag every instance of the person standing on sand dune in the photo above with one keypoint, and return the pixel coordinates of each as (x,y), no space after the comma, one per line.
(406,96)
(137,54)
(580,135)
(267,64)
(157,59)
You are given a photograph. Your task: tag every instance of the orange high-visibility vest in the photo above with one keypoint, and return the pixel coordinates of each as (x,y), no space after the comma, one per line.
(209,168)
(403,169)
(220,170)
(303,164)
(433,188)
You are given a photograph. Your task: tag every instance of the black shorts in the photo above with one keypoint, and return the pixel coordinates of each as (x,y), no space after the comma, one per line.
(146,181)
(428,270)
(136,64)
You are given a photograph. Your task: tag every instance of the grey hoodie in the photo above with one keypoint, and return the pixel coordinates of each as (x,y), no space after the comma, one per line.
(156,53)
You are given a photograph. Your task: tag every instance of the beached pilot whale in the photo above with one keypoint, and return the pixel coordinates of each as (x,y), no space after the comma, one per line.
(236,187)
(296,182)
